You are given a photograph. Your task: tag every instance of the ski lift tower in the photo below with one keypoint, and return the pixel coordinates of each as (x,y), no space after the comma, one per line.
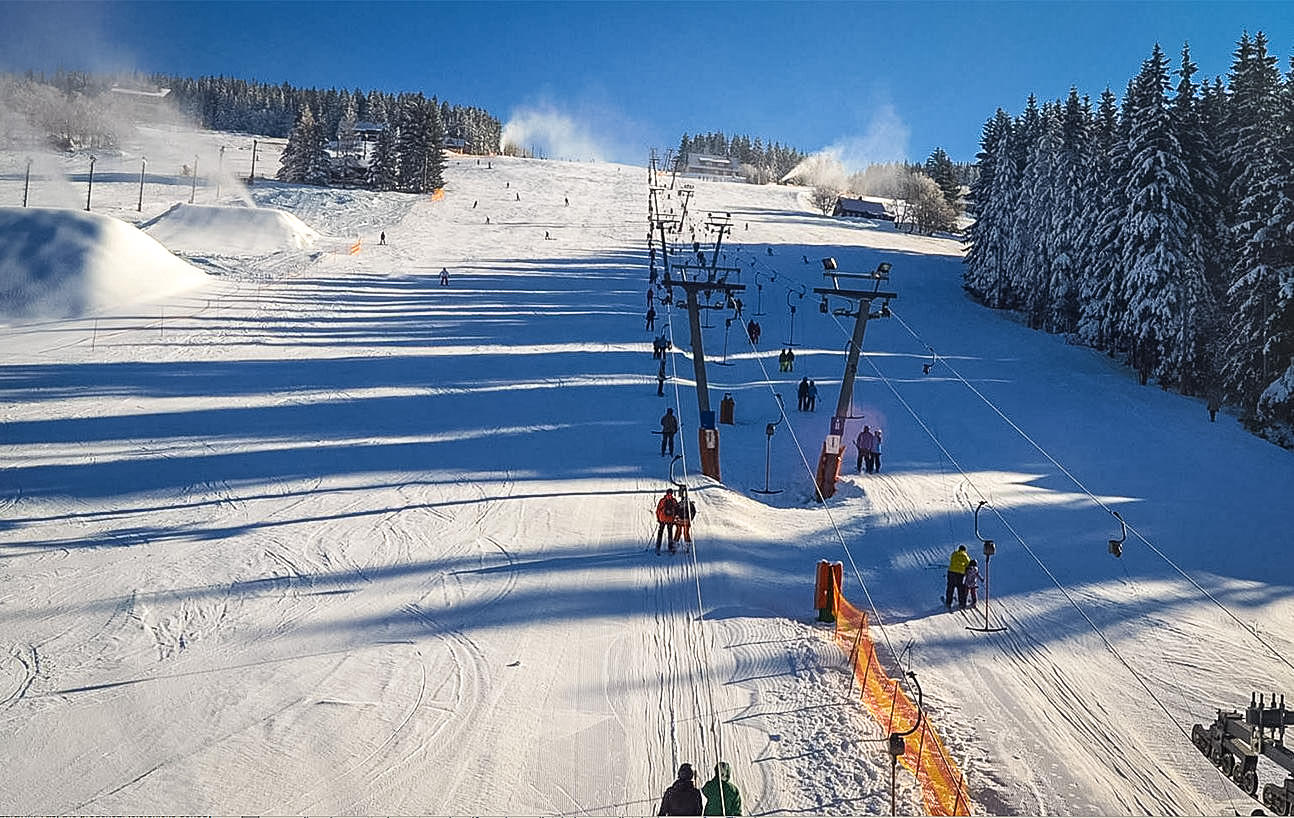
(834,446)
(708,433)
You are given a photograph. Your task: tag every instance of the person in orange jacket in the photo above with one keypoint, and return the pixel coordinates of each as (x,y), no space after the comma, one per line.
(666,510)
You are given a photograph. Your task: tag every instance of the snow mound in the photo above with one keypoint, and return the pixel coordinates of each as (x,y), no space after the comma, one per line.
(190,228)
(64,263)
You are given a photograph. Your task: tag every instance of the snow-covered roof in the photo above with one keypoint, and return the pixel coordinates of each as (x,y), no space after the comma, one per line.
(869,208)
(135,92)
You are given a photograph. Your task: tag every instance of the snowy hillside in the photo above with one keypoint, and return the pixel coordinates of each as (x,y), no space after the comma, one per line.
(335,538)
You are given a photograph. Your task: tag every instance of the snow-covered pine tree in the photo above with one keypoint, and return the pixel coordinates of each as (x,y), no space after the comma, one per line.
(434,175)
(987,236)
(1254,131)
(939,167)
(1156,255)
(382,162)
(1067,227)
(410,143)
(1202,294)
(304,159)
(1040,188)
(1020,231)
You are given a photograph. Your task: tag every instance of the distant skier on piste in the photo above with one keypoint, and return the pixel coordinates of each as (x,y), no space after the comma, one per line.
(682,797)
(444,276)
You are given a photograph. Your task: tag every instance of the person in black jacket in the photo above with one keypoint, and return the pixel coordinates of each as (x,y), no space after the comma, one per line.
(682,797)
(668,428)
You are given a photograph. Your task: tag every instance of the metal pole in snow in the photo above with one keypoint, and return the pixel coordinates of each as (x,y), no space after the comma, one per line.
(143,163)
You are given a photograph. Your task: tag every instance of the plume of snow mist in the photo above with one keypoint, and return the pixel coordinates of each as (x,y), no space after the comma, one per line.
(545,131)
(884,140)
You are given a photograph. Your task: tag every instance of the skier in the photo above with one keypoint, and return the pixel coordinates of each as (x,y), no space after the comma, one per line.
(876,451)
(737,312)
(568,200)
(444,277)
(518,197)
(381,239)
(957,577)
(651,296)
(666,508)
(683,524)
(802,392)
(668,428)
(682,797)
(651,318)
(770,251)
(971,581)
(865,441)
(790,360)
(811,401)
(1215,403)
(721,796)
(660,379)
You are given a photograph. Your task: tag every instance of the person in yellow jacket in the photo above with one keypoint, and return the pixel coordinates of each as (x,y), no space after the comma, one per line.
(957,577)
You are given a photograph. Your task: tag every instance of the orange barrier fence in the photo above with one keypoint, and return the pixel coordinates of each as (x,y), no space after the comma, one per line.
(943,789)
(354,248)
(438,194)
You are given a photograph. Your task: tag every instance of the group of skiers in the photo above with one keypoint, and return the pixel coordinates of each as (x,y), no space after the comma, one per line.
(963,577)
(683,798)
(674,516)
(808,394)
(786,360)
(869,450)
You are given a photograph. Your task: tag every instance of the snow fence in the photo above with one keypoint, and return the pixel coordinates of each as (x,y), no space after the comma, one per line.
(943,789)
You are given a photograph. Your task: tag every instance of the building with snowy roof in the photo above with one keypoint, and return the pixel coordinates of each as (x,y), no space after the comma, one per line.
(861,209)
(711,168)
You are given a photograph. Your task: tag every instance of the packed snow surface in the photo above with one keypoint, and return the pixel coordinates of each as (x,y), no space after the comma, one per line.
(336,538)
(62,263)
(230,230)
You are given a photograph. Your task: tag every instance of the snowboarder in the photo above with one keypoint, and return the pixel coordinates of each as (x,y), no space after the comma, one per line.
(381,239)
(444,277)
(957,577)
(660,379)
(682,797)
(971,581)
(683,524)
(666,508)
(651,318)
(811,401)
(668,428)
(721,796)
(865,441)
(802,392)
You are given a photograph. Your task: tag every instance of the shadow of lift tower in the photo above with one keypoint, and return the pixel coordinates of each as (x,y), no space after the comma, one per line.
(834,446)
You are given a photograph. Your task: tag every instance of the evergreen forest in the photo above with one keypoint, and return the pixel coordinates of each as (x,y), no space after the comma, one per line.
(1158,227)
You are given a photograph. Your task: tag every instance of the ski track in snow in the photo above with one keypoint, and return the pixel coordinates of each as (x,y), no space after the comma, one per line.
(326,537)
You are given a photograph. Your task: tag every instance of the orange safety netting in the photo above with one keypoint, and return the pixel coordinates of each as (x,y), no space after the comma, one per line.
(354,248)
(943,789)
(438,194)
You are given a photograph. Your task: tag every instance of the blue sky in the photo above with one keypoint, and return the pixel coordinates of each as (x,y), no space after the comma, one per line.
(876,80)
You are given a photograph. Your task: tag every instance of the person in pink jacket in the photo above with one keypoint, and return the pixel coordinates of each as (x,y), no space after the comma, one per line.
(971,581)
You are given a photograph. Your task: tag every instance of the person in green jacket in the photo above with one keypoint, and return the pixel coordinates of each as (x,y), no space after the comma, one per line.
(721,796)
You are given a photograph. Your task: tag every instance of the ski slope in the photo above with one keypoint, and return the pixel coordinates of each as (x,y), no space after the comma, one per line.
(323,536)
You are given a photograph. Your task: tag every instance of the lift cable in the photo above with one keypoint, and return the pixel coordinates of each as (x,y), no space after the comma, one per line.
(1083,488)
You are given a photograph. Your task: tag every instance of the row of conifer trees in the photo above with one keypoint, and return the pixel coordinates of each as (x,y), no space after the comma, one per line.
(1158,228)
